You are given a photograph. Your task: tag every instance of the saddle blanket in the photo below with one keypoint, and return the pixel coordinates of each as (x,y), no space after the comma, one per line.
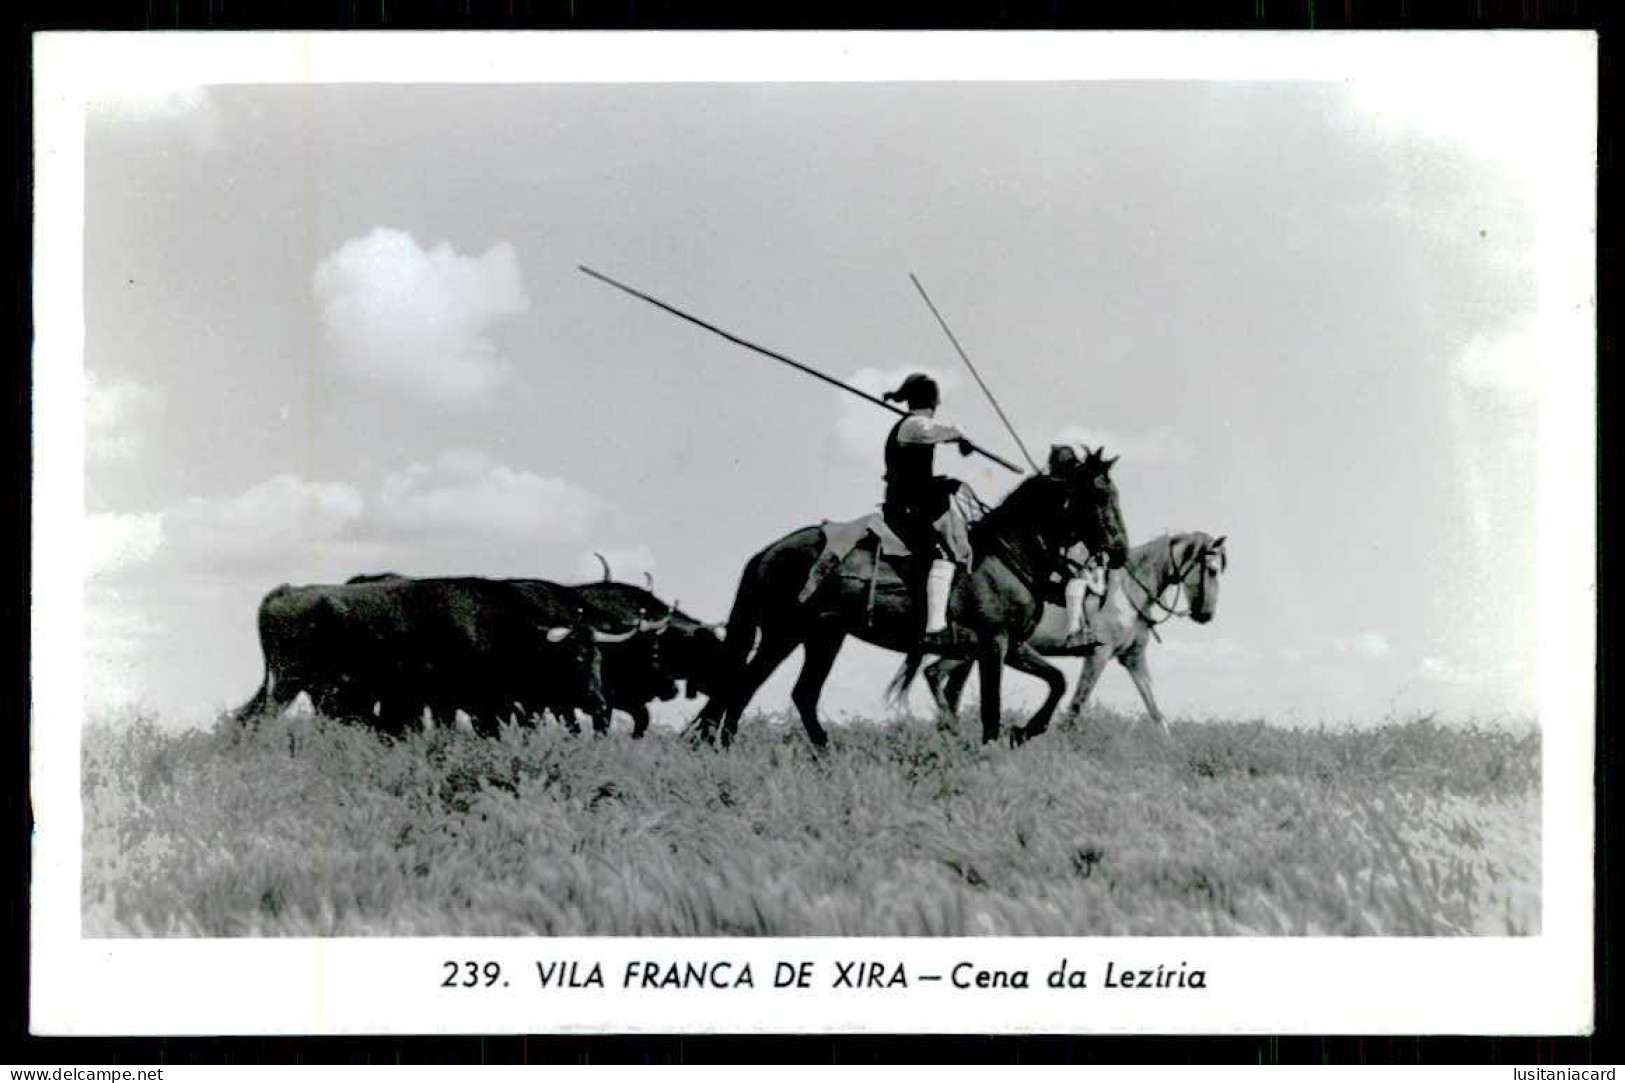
(841,538)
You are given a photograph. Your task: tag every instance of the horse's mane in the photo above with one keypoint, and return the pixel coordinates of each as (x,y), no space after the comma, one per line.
(1147,556)
(1027,505)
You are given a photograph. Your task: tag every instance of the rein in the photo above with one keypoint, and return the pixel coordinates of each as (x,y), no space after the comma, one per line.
(1018,566)
(1177,572)
(997,543)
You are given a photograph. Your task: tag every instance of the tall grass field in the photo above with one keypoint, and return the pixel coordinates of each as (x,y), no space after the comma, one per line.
(304,827)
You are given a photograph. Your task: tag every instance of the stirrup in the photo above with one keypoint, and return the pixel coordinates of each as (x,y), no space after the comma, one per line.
(1083,639)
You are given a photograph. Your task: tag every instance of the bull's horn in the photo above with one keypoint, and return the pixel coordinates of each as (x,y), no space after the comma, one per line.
(649,581)
(605,563)
(1218,543)
(613,637)
(558,635)
(654,625)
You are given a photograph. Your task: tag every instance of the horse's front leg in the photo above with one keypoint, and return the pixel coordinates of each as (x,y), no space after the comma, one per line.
(1140,674)
(1026,658)
(990,663)
(1094,664)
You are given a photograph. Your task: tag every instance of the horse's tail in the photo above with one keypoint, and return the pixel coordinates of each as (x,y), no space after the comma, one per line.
(745,618)
(897,690)
(739,639)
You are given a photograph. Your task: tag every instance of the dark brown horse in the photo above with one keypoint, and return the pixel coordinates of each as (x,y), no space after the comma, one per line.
(1020,548)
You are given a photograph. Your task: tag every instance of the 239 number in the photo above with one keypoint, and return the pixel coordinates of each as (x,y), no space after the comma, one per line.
(468,974)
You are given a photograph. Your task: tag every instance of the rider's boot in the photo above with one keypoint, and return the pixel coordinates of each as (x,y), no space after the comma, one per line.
(939,582)
(1080,634)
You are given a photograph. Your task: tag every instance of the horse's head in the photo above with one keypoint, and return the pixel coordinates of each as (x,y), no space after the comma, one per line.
(1198,561)
(1096,516)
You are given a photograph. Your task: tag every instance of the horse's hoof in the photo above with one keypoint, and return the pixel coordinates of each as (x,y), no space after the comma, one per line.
(1018,737)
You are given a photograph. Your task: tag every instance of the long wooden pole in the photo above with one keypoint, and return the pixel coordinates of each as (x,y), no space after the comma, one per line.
(982,383)
(808,369)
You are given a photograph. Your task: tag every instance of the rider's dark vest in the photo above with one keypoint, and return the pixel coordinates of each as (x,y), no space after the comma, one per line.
(908,471)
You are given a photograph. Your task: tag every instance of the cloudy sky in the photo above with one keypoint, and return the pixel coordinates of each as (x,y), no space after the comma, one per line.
(332,329)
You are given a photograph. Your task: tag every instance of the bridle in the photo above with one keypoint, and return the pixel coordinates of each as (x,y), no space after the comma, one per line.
(1174,576)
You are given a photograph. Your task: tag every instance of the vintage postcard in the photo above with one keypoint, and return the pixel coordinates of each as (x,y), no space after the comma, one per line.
(814,532)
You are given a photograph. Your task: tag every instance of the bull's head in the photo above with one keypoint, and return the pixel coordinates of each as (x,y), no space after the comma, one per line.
(656,627)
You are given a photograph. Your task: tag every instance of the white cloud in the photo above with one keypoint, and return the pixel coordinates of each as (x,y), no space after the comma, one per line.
(625,565)
(116,634)
(154,103)
(114,413)
(462,507)
(116,541)
(1205,650)
(1519,362)
(1509,363)
(1160,445)
(1531,113)
(464,493)
(1366,645)
(1437,669)
(401,317)
(1369,644)
(860,428)
(263,524)
(1527,124)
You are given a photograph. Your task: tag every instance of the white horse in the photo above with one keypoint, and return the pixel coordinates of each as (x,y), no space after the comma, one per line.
(1142,594)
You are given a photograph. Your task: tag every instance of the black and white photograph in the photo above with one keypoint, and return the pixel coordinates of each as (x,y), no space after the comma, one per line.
(970,507)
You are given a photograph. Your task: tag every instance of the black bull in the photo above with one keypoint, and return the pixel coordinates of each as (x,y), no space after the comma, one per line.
(396,645)
(644,669)
(481,645)
(992,611)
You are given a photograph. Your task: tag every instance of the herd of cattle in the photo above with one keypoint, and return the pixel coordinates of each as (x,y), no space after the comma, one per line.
(379,650)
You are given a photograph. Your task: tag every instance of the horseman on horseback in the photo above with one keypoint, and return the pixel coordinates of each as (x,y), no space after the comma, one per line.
(919,507)
(918,504)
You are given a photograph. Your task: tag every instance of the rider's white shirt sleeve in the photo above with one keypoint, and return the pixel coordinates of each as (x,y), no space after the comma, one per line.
(918,429)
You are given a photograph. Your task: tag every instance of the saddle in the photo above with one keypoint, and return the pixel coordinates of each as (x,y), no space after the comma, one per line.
(842,538)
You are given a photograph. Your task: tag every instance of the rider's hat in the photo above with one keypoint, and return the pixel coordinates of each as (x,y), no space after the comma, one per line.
(918,390)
